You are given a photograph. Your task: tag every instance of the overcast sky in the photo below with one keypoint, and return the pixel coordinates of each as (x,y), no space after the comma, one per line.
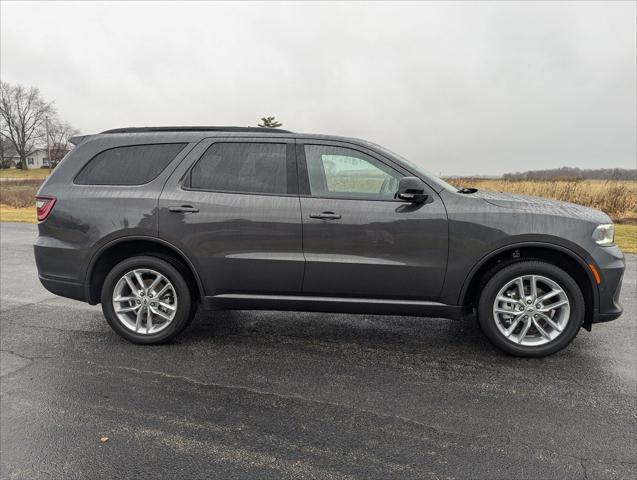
(480,88)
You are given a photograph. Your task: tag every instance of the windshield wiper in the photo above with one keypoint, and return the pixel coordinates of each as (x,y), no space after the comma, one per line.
(467,190)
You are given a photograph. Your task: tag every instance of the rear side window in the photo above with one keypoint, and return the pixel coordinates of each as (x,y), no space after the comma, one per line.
(242,167)
(134,165)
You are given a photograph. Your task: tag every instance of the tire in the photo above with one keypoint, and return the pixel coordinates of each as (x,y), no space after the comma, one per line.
(170,314)
(567,318)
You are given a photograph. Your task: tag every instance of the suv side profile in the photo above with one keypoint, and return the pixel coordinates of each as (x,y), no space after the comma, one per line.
(153,222)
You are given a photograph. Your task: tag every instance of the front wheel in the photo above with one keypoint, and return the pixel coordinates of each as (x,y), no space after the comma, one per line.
(531,309)
(146,300)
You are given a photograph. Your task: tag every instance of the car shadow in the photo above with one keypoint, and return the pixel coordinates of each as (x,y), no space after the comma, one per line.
(309,330)
(448,341)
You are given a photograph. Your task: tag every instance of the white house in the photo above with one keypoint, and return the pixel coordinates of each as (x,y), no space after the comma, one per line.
(37,159)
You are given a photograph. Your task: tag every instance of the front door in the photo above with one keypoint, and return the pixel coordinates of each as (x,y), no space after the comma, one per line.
(358,240)
(232,207)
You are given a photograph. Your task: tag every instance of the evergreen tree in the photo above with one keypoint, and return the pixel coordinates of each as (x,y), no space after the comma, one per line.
(270,122)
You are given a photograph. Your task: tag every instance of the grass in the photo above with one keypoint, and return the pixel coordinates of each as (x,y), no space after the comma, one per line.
(36,173)
(19,193)
(618,199)
(626,237)
(625,234)
(22,215)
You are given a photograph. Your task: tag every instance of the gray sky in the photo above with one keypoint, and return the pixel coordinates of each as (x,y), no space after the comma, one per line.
(480,88)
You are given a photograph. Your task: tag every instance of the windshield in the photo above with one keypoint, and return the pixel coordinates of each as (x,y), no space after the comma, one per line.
(417,168)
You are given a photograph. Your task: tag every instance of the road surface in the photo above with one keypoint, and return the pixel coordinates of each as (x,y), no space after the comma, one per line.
(302,395)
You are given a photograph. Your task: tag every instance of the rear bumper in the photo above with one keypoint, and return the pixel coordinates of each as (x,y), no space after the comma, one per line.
(610,261)
(60,268)
(76,291)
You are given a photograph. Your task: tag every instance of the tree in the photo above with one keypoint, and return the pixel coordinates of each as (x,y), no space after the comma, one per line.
(7,152)
(270,122)
(59,134)
(23,112)
(574,173)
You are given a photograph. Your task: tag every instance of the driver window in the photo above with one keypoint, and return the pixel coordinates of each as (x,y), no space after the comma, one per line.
(345,173)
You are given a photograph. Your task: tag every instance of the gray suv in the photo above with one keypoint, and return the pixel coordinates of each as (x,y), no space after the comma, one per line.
(153,222)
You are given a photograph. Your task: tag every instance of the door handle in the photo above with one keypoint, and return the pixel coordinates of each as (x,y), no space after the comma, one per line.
(325,215)
(183,209)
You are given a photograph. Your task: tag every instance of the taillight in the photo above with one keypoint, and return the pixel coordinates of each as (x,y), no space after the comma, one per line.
(44,205)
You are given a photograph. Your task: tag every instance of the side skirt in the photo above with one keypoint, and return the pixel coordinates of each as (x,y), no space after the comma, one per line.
(237,301)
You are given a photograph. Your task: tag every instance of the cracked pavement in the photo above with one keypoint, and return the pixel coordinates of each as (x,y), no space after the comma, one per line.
(302,395)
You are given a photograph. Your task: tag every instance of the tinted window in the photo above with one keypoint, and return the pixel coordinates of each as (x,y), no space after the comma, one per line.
(242,167)
(134,165)
(346,173)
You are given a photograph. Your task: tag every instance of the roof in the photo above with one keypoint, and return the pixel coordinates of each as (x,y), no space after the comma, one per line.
(196,133)
(195,129)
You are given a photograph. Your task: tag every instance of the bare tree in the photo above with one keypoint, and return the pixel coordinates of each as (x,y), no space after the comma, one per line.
(59,134)
(270,122)
(7,152)
(23,112)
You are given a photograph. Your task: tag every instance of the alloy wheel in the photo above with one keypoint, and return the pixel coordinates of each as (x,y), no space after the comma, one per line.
(145,301)
(531,310)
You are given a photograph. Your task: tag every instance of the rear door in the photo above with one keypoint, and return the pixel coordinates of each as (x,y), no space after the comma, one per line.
(358,240)
(232,206)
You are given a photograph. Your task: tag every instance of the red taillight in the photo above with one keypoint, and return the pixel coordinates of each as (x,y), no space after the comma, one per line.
(44,205)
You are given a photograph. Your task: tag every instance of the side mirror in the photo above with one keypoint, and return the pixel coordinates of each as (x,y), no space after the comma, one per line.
(412,189)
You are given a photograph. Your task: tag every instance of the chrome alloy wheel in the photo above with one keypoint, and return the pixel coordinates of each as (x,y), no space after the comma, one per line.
(531,310)
(144,301)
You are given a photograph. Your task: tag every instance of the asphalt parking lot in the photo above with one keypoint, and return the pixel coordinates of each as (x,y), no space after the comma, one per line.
(303,395)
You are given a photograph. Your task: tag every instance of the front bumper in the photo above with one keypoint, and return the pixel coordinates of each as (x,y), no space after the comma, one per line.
(611,265)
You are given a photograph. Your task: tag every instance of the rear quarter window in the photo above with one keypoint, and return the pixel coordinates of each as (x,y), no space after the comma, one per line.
(130,165)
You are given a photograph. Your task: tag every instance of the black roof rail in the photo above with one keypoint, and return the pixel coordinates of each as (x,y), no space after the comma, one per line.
(195,129)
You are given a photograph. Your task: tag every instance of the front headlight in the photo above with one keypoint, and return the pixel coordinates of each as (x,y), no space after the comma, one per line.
(604,234)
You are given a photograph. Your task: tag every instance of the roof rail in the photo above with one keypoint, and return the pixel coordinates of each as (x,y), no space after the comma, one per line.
(195,129)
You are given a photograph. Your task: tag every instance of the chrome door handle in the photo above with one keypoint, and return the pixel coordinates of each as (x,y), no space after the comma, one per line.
(325,216)
(183,209)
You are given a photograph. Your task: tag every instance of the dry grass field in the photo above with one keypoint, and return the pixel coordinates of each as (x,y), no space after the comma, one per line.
(21,215)
(18,188)
(18,192)
(39,173)
(617,198)
(626,237)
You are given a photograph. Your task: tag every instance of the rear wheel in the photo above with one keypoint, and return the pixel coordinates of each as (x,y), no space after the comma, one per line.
(531,309)
(146,300)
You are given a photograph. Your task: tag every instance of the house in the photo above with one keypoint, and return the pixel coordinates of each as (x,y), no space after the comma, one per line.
(39,158)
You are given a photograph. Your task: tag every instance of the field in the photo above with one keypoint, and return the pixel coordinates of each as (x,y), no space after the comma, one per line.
(37,173)
(22,215)
(626,237)
(617,198)
(19,192)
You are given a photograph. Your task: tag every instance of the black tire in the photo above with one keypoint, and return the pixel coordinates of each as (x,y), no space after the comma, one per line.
(530,267)
(185,307)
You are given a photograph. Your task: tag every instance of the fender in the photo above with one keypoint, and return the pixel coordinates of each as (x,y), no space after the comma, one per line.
(132,238)
(579,256)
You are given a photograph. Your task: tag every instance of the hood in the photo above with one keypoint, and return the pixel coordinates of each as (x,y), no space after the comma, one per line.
(542,205)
